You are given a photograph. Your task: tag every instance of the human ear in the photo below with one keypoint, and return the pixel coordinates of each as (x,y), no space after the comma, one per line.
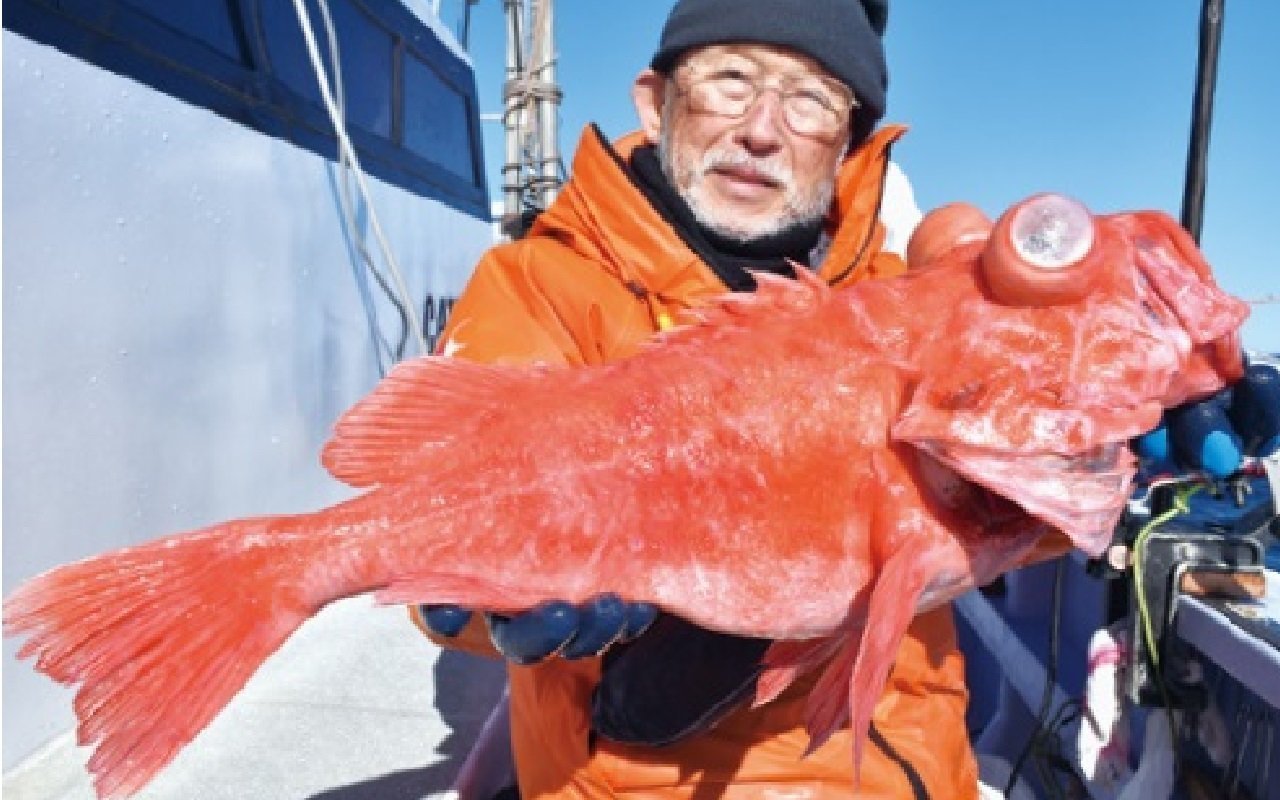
(648,93)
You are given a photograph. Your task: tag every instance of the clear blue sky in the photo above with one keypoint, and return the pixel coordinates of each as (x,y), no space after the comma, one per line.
(1009,97)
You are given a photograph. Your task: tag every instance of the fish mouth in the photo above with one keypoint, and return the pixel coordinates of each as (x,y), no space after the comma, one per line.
(1083,494)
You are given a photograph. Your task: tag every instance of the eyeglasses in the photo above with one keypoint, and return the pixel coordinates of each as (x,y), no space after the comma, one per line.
(812,105)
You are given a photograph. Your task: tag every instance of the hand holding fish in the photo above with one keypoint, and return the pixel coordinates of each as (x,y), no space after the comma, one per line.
(1216,435)
(552,628)
(854,456)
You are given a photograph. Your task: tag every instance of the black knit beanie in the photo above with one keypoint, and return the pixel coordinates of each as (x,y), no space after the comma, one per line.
(844,36)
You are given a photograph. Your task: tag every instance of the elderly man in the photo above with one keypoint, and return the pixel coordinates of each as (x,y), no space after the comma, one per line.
(755,117)
(756,153)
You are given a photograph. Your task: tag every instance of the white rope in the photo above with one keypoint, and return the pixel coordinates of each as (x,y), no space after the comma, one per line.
(355,234)
(348,151)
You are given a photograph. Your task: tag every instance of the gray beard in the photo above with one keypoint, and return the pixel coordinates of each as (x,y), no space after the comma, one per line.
(686,179)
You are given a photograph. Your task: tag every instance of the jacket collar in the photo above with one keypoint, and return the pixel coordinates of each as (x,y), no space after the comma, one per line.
(602,215)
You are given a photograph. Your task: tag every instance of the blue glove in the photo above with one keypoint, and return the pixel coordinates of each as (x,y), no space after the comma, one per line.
(552,628)
(1216,434)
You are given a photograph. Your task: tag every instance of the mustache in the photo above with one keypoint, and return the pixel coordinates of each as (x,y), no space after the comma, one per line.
(769,169)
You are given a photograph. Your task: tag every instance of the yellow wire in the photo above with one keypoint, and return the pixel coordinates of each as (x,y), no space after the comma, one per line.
(1181,505)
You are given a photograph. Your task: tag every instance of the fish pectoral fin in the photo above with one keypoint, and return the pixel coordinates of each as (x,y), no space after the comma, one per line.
(854,680)
(471,591)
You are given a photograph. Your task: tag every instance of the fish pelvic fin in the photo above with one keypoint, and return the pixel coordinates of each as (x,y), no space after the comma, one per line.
(159,637)
(827,709)
(785,661)
(853,682)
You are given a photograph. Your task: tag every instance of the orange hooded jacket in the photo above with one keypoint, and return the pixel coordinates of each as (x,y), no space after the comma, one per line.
(598,274)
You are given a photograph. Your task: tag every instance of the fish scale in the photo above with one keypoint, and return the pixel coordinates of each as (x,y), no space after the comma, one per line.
(804,464)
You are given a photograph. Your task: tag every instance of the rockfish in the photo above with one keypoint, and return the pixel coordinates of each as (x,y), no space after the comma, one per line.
(808,465)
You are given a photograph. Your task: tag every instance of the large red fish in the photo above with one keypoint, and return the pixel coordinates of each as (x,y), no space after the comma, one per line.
(850,457)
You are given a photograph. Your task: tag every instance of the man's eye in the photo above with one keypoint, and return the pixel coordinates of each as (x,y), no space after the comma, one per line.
(818,98)
(732,82)
(730,74)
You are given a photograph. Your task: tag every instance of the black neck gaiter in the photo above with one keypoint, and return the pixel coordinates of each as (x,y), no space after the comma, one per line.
(733,261)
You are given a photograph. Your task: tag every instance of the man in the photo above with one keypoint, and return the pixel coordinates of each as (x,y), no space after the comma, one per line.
(756,152)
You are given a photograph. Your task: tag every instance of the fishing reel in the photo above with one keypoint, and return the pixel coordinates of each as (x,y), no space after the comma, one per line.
(1185,536)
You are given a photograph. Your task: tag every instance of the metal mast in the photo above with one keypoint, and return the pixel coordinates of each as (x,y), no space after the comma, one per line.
(531,103)
(1202,117)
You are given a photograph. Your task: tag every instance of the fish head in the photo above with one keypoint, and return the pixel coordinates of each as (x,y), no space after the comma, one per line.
(1064,336)
(1175,284)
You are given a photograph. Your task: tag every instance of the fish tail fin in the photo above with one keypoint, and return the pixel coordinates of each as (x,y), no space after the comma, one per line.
(159,637)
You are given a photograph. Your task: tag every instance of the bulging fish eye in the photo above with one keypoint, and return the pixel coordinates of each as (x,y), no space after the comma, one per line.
(943,229)
(1042,252)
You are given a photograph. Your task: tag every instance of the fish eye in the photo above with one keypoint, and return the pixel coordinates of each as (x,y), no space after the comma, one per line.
(1052,232)
(1043,251)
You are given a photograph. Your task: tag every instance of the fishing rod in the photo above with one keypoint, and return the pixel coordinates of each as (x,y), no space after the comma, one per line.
(1202,117)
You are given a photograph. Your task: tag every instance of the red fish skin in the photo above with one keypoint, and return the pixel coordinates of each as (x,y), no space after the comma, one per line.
(760,473)
(160,636)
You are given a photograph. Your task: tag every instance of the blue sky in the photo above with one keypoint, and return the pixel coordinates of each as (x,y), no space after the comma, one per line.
(1009,97)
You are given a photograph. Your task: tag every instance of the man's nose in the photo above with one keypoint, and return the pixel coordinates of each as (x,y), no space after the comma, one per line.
(761,127)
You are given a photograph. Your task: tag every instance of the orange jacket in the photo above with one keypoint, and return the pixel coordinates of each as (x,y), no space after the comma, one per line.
(597,275)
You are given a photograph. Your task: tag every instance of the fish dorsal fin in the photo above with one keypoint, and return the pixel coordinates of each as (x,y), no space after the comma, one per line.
(773,295)
(425,404)
(420,406)
(775,299)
